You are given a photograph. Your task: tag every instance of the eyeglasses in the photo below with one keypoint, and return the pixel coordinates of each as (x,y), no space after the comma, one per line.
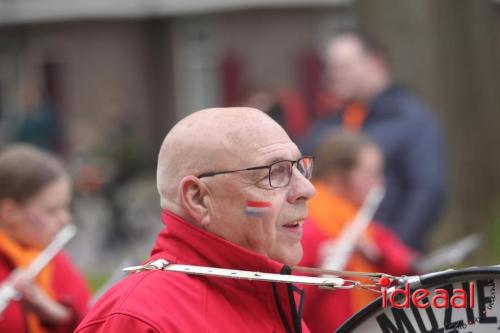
(279,173)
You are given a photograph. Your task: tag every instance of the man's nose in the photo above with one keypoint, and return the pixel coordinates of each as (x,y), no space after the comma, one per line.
(301,187)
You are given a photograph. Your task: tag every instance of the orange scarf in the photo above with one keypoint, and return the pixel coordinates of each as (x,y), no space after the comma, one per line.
(21,258)
(354,116)
(331,213)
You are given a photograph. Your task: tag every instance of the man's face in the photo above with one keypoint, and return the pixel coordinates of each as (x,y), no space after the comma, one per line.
(275,233)
(348,66)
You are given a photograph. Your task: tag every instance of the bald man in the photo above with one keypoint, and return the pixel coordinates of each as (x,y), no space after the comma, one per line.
(233,188)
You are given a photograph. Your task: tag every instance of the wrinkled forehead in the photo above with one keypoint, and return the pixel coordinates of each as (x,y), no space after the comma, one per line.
(261,144)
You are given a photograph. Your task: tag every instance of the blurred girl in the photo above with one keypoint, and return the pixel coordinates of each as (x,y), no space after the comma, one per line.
(35,194)
(348,166)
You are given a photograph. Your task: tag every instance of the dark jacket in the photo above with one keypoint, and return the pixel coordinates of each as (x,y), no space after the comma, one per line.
(412,143)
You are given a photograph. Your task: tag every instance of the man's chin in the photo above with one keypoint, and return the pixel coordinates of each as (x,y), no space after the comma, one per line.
(291,256)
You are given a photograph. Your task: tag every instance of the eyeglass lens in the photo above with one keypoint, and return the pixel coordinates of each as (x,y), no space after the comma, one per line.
(280,173)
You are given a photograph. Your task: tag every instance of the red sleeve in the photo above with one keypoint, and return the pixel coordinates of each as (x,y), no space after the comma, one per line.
(70,290)
(397,258)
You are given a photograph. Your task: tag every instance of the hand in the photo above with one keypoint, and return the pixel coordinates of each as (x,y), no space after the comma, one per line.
(36,300)
(326,251)
(369,250)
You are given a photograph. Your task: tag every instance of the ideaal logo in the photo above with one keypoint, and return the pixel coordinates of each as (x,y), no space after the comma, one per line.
(445,309)
(400,298)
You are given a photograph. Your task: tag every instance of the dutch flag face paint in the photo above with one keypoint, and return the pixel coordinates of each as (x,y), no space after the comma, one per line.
(257,208)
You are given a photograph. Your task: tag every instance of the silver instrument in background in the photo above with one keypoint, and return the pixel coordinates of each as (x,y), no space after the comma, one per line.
(339,254)
(450,254)
(7,291)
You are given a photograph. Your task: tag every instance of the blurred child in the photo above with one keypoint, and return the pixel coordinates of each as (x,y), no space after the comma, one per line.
(348,166)
(35,193)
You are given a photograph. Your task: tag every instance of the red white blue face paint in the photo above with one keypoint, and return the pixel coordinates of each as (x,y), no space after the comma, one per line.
(257,208)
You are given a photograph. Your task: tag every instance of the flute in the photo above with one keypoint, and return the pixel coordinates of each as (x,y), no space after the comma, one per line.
(7,291)
(341,252)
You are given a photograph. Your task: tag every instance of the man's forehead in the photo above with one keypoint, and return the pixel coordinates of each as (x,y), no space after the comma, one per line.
(261,139)
(344,48)
(274,152)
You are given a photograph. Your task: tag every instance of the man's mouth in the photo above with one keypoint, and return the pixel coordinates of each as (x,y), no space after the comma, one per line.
(294,224)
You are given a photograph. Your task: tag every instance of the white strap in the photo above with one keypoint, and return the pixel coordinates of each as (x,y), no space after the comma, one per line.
(162,264)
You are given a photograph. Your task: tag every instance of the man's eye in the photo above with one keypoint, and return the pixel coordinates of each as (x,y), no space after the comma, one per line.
(264,179)
(260,176)
(280,170)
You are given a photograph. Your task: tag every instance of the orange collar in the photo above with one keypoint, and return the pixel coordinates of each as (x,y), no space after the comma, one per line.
(21,257)
(354,116)
(329,210)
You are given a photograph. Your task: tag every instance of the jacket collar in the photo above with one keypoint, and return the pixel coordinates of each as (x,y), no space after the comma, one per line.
(183,243)
(187,244)
(379,103)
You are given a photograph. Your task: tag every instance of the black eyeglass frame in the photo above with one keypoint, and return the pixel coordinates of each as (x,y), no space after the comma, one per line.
(215,173)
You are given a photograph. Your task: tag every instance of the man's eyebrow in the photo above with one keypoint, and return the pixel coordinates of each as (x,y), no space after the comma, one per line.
(274,160)
(279,159)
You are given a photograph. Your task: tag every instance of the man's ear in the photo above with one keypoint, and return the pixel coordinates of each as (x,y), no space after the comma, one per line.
(193,193)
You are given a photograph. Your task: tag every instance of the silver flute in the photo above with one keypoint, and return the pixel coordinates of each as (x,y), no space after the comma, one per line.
(7,291)
(339,255)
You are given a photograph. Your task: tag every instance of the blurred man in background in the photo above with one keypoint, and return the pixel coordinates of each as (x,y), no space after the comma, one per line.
(409,136)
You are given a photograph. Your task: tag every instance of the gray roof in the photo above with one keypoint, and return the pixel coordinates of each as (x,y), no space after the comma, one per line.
(28,11)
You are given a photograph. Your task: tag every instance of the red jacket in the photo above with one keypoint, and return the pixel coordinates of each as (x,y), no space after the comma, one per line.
(70,290)
(160,301)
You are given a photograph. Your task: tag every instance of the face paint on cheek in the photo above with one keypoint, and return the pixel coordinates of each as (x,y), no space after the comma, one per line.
(257,208)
